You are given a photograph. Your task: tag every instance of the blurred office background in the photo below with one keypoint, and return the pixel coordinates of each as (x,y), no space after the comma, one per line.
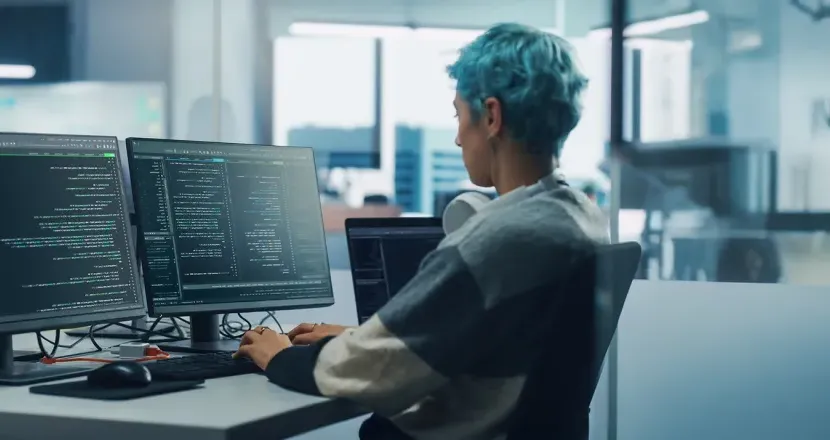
(724,175)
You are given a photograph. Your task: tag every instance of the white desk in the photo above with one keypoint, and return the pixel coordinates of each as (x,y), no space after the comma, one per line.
(241,407)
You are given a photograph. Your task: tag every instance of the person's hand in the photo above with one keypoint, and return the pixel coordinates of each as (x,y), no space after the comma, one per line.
(305,334)
(261,345)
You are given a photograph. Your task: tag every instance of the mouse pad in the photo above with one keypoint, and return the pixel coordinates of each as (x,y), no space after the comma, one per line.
(80,389)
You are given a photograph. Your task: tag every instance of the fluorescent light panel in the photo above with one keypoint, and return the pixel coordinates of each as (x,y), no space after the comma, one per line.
(351,30)
(649,43)
(17,71)
(656,26)
(381,31)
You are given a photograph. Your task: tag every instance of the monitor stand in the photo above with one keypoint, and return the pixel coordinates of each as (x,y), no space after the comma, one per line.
(27,373)
(117,332)
(204,337)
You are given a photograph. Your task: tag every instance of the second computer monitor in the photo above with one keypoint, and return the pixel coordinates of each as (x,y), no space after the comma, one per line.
(65,257)
(228,228)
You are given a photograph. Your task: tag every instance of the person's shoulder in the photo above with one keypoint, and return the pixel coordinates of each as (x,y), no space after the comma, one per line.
(538,241)
(562,217)
(534,234)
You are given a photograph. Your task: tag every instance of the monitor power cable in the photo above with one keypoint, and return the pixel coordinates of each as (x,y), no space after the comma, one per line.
(273,317)
(57,345)
(234,329)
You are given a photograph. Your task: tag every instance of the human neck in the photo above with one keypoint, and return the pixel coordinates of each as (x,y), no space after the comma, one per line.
(517,170)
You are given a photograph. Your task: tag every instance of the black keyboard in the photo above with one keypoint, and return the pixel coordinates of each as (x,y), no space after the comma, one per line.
(201,366)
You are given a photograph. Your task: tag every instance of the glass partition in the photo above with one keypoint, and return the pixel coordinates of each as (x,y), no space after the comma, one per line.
(721,177)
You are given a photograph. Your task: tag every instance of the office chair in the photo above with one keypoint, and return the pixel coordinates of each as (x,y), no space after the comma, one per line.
(556,397)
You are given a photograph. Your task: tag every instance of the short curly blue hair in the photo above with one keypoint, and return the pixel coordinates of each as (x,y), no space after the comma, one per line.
(535,77)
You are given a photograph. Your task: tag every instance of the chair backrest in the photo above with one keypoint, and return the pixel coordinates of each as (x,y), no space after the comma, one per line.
(556,397)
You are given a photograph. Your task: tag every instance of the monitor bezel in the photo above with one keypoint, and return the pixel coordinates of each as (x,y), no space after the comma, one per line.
(392,222)
(383,222)
(230,307)
(124,313)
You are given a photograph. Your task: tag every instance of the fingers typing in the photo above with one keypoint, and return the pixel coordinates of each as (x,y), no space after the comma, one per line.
(299,330)
(249,338)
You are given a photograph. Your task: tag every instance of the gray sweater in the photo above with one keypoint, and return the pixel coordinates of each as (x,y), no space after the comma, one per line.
(446,358)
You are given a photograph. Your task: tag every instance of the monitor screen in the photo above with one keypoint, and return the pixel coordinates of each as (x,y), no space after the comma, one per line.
(385,254)
(63,231)
(229,227)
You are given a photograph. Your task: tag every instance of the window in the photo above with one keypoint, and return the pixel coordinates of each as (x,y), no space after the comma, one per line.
(324,97)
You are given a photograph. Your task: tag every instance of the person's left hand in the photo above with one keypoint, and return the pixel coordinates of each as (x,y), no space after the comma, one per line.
(261,345)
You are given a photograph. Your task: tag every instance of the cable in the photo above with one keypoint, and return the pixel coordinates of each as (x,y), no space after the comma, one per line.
(184,323)
(234,329)
(273,317)
(147,332)
(85,353)
(227,328)
(153,354)
(150,331)
(91,335)
(72,345)
(55,344)
(247,323)
(178,328)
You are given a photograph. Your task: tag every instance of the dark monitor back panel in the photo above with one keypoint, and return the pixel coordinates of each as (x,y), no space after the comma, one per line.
(385,254)
(64,246)
(228,227)
(125,174)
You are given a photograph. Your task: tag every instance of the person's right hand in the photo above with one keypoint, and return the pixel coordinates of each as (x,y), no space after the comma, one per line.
(305,334)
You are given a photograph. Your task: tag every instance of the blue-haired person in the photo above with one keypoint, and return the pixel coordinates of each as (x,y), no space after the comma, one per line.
(449,355)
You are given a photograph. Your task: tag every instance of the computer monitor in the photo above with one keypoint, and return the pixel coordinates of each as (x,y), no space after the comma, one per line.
(385,253)
(66,257)
(136,328)
(227,228)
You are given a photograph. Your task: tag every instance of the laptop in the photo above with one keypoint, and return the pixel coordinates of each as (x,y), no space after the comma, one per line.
(385,253)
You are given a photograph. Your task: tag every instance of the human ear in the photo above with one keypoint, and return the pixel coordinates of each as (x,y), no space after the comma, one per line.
(493,115)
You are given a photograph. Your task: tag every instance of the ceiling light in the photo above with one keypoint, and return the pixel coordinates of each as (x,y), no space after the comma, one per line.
(656,26)
(347,30)
(17,71)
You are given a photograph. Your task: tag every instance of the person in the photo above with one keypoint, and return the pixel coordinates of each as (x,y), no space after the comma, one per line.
(447,357)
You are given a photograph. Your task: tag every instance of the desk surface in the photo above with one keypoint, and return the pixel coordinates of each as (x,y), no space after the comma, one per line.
(238,407)
(229,408)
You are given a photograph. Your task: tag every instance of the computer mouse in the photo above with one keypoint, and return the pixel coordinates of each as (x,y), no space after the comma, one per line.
(122,374)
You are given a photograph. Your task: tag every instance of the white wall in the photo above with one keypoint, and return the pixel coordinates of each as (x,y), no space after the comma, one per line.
(121,40)
(201,95)
(173,42)
(238,71)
